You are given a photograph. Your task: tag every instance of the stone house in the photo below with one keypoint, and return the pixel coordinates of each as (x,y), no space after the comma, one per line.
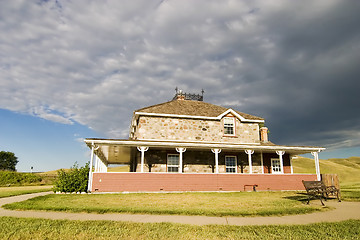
(189,145)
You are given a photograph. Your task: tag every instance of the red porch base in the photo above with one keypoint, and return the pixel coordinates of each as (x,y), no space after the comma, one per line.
(156,182)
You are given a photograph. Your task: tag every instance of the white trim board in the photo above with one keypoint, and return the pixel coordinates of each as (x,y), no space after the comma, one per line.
(242,119)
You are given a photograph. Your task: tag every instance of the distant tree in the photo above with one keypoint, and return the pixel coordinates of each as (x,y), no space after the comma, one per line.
(8,161)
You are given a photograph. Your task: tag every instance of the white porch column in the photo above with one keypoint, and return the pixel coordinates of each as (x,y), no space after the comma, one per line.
(105,167)
(249,153)
(281,153)
(96,164)
(102,166)
(216,151)
(262,163)
(291,166)
(93,149)
(142,149)
(180,151)
(90,170)
(317,164)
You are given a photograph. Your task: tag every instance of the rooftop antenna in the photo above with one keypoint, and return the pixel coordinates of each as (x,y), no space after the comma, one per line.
(180,94)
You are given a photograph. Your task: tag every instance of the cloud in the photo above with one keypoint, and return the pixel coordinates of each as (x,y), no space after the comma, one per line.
(48,114)
(294,63)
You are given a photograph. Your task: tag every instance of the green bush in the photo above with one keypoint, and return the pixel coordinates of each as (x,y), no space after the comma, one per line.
(75,180)
(8,178)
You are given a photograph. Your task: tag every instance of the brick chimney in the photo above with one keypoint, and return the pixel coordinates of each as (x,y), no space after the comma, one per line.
(264,134)
(180,95)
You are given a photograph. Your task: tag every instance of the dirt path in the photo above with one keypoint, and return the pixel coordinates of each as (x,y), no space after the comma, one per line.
(342,211)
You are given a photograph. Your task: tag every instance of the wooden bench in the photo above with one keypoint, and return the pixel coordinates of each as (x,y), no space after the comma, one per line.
(317,189)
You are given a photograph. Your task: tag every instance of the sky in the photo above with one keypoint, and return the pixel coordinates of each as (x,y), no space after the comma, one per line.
(71,70)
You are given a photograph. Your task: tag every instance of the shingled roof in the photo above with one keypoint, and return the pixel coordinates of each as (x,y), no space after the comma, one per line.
(192,108)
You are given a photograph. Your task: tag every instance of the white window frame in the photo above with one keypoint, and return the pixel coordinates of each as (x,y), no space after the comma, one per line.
(172,165)
(229,126)
(231,167)
(275,167)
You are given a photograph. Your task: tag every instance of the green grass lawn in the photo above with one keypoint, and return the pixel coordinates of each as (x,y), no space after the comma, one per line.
(21,228)
(209,204)
(14,191)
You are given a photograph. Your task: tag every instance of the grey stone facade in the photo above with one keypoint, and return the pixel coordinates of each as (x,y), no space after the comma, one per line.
(185,129)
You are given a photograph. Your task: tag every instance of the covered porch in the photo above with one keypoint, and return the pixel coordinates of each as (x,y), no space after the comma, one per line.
(195,166)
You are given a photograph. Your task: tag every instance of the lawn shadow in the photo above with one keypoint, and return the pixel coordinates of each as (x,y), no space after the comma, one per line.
(301,197)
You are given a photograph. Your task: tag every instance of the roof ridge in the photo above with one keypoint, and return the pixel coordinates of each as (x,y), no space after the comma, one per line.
(159,104)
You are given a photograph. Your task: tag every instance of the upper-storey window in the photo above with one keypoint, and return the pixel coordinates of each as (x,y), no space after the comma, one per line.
(229,126)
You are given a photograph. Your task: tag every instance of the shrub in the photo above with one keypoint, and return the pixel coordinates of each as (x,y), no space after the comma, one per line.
(75,180)
(8,178)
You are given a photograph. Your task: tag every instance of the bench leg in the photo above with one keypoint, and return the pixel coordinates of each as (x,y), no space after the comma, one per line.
(338,195)
(325,196)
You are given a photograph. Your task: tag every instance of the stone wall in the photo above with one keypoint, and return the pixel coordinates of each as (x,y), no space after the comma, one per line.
(175,129)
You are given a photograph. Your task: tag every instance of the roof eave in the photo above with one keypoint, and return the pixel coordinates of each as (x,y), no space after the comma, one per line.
(199,117)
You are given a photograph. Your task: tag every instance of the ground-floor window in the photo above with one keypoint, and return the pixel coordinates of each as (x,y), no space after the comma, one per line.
(230,163)
(173,162)
(275,165)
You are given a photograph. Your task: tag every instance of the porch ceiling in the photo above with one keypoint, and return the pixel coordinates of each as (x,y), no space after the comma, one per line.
(119,151)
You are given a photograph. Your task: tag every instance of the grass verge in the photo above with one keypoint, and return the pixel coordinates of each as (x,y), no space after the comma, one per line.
(207,204)
(350,191)
(22,228)
(14,191)
(352,195)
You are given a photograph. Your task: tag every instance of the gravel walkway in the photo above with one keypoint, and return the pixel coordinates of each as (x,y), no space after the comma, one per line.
(343,211)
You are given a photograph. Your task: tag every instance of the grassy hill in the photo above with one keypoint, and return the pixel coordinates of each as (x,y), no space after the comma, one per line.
(124,168)
(348,169)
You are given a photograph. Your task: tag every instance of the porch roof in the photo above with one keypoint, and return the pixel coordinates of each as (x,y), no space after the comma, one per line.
(119,151)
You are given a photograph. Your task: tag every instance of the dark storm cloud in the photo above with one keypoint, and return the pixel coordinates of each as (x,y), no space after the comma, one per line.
(313,77)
